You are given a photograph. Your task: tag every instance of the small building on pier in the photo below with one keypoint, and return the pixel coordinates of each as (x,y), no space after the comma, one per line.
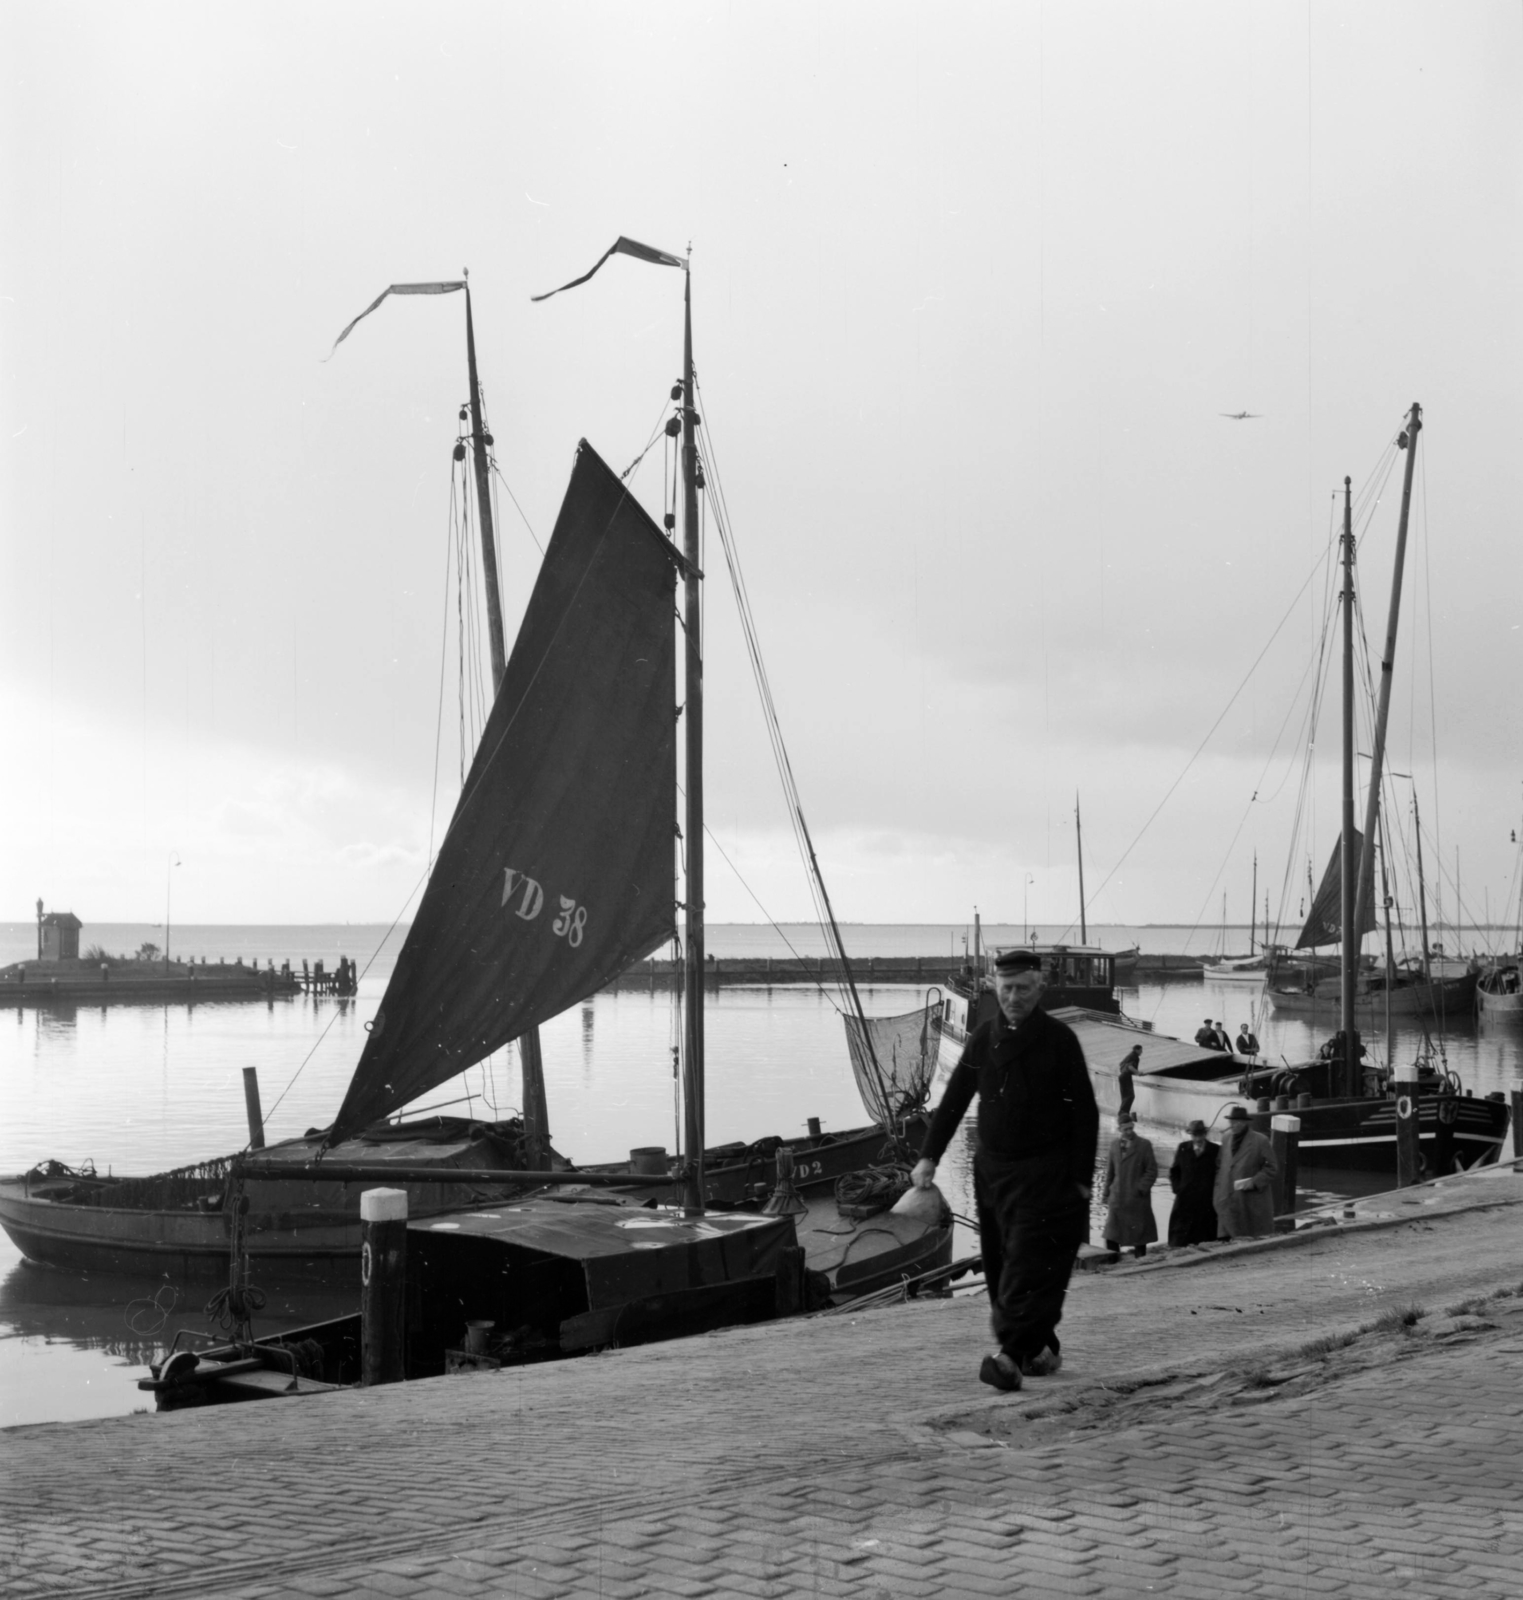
(57,935)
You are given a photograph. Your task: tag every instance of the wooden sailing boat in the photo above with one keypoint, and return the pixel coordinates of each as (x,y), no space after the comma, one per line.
(1499,989)
(1350,1118)
(556,873)
(1356,993)
(1252,967)
(569,1274)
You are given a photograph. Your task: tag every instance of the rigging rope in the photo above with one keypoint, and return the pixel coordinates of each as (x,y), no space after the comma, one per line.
(714,498)
(528,526)
(1368,500)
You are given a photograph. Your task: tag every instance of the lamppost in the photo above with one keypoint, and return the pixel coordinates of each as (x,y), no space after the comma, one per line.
(1025,905)
(174,861)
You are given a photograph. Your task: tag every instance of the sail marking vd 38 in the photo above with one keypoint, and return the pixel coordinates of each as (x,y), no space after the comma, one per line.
(558,868)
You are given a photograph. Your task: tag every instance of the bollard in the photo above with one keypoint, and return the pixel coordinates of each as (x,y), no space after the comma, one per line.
(251,1104)
(383,1283)
(1409,1161)
(785,1200)
(1517,1124)
(1285,1140)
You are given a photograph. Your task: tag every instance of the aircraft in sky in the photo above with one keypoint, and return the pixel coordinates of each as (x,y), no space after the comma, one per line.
(1239,416)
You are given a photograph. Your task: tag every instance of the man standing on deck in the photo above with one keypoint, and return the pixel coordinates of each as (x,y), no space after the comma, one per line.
(1038,1127)
(1126,1074)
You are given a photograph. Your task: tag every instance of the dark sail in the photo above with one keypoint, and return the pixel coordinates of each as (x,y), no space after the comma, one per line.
(558,869)
(1324,922)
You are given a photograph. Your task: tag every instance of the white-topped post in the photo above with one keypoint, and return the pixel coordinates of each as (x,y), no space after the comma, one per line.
(383,1285)
(1284,1140)
(1409,1160)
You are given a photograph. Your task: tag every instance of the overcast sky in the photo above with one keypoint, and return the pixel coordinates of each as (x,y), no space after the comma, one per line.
(972,286)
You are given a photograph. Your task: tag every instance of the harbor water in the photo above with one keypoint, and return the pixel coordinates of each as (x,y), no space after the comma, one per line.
(138,1088)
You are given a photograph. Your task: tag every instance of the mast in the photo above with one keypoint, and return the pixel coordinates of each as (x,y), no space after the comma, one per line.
(1519,934)
(479,445)
(1422,893)
(1079,841)
(1459,904)
(1407,441)
(1385,900)
(693,1106)
(535,1108)
(1253,900)
(1348,911)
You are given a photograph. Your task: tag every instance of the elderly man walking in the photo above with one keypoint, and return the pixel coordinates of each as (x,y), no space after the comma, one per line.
(1245,1172)
(1038,1127)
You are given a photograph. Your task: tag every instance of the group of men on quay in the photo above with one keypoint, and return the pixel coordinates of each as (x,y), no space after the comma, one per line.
(1034,1164)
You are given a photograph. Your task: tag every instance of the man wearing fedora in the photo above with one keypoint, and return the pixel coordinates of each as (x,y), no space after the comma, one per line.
(1192,1177)
(1033,1167)
(1245,1171)
(1131,1170)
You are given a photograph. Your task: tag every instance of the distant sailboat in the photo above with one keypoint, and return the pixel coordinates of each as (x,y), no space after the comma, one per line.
(1351,1116)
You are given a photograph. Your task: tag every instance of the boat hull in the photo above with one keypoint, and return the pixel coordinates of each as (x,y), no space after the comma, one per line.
(296,1231)
(1337,1135)
(1499,994)
(1231,972)
(1443,997)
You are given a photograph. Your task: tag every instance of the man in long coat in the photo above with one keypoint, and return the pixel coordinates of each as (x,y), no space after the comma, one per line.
(1192,1177)
(1034,1165)
(1245,1171)
(1131,1170)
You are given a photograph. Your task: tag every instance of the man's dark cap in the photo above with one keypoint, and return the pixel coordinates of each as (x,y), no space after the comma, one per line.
(1237,1114)
(1196,1129)
(1017,961)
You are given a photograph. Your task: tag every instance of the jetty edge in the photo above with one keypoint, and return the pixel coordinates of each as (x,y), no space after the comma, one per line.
(1347,1411)
(122,980)
(657,972)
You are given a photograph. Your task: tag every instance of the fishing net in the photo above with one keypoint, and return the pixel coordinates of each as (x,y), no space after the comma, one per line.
(185,1188)
(894,1062)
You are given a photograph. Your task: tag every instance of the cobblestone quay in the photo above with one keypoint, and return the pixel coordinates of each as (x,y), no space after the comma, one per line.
(1278,1420)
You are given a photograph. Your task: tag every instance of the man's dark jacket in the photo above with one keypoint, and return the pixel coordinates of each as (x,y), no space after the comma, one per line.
(1034,1095)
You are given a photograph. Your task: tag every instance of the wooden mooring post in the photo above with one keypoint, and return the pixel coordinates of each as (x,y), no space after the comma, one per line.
(1517,1124)
(1409,1161)
(1285,1140)
(383,1285)
(251,1104)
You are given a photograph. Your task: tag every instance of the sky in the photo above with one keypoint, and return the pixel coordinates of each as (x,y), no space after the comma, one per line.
(972,288)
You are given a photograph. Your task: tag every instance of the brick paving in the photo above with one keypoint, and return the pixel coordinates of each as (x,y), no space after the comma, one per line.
(858,1455)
